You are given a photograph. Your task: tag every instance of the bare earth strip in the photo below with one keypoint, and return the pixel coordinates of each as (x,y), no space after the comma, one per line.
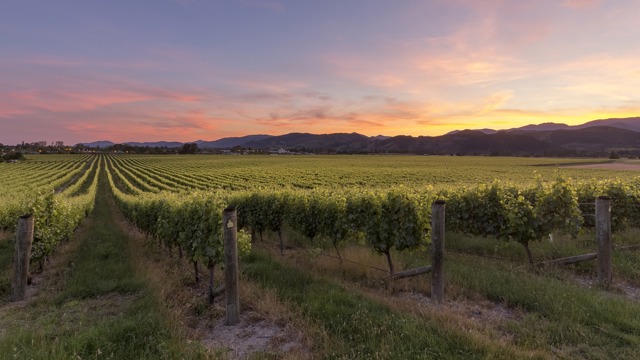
(610,166)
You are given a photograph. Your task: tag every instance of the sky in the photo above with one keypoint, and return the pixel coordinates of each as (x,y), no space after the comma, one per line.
(186,70)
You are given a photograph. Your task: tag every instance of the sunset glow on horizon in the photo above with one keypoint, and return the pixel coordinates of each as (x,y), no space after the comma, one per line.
(186,70)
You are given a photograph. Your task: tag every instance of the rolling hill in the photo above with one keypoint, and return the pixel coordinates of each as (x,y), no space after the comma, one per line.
(594,138)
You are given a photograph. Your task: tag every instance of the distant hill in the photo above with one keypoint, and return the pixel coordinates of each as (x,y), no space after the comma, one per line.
(379,137)
(466,142)
(542,127)
(339,142)
(105,144)
(226,143)
(484,131)
(167,144)
(595,138)
(101,144)
(591,141)
(632,123)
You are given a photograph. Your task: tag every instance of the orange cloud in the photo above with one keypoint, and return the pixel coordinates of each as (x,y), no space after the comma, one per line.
(187,125)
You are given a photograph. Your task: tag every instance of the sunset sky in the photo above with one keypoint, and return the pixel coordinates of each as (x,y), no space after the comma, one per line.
(185,70)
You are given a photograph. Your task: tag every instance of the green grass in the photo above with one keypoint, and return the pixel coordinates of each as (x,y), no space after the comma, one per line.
(555,315)
(625,261)
(104,310)
(6,263)
(104,266)
(137,333)
(560,313)
(360,328)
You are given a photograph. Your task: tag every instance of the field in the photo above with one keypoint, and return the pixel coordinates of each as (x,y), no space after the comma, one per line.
(304,172)
(322,235)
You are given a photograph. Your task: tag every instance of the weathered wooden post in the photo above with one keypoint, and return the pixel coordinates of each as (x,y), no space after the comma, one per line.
(230,224)
(196,272)
(212,289)
(24,240)
(281,237)
(437,250)
(603,232)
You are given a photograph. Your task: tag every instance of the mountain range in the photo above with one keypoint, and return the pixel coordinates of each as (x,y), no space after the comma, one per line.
(593,138)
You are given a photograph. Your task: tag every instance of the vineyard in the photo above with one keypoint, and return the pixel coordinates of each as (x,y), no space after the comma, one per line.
(180,204)
(503,215)
(59,191)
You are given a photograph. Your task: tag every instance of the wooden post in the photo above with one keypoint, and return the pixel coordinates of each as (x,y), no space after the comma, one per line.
(230,224)
(212,288)
(24,240)
(437,250)
(603,232)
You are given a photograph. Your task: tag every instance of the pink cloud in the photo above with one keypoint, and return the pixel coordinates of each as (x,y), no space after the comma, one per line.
(580,4)
(66,101)
(79,63)
(75,95)
(187,125)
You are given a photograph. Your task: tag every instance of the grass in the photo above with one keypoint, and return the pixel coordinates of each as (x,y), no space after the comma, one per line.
(97,306)
(556,316)
(625,262)
(6,263)
(361,328)
(560,314)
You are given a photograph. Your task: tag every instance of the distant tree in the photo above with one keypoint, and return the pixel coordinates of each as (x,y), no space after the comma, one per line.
(189,148)
(13,156)
(614,155)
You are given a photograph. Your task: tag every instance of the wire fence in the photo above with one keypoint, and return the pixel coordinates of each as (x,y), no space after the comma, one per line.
(486,256)
(202,276)
(325,254)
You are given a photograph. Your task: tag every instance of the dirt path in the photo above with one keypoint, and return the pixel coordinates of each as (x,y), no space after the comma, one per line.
(631,166)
